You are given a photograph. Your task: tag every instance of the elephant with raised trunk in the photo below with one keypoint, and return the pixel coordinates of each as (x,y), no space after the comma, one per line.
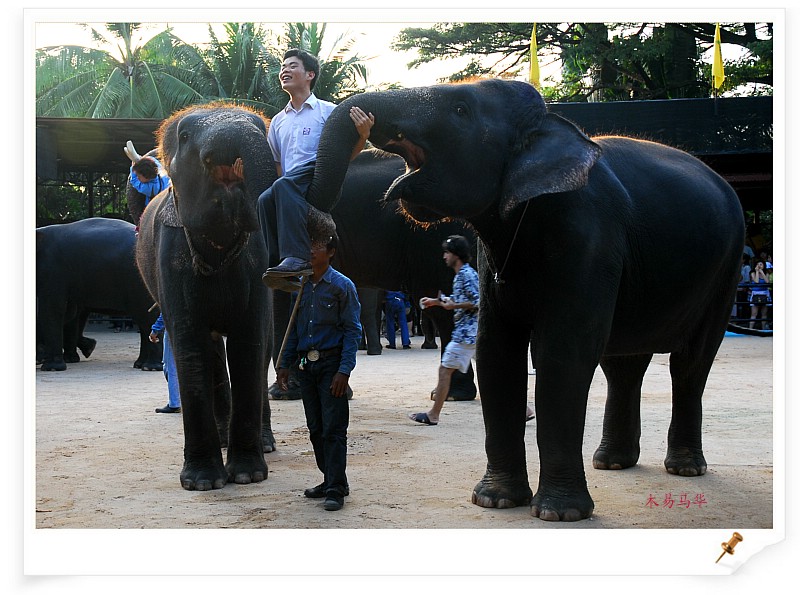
(202,254)
(594,251)
(380,248)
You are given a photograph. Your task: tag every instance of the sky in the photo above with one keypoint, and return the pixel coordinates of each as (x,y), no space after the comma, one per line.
(372,29)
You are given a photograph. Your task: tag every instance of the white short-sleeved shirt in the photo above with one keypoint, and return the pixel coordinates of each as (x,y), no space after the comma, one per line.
(294,135)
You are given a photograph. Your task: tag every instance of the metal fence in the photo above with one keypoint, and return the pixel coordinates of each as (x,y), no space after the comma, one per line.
(742,313)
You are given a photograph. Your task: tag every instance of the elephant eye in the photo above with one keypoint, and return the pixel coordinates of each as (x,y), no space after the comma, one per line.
(461,110)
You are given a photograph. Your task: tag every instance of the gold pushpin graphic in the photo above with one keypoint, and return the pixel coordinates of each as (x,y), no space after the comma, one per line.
(727,548)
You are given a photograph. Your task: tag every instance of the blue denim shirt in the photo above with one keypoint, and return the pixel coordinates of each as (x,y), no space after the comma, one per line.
(151,187)
(329,316)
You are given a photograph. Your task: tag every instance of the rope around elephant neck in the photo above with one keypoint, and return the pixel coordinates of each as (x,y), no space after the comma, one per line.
(201,266)
(498,276)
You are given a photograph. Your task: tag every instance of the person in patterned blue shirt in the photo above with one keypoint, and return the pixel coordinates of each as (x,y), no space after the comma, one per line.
(464,301)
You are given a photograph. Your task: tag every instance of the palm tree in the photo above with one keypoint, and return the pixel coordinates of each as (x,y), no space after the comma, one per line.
(244,69)
(131,81)
(340,75)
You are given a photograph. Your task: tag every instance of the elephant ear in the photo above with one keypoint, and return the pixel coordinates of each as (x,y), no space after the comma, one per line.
(556,158)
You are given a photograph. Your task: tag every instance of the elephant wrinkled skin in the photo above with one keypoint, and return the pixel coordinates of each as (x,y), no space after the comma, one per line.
(201,254)
(596,252)
(83,267)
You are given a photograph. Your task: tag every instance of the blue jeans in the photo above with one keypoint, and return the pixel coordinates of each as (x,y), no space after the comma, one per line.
(396,308)
(327,418)
(283,215)
(171,374)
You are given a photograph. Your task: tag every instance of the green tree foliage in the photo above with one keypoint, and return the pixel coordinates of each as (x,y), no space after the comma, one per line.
(126,81)
(341,73)
(243,68)
(603,61)
(156,78)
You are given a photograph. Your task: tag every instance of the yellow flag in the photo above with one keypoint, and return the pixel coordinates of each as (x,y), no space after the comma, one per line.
(717,70)
(534,76)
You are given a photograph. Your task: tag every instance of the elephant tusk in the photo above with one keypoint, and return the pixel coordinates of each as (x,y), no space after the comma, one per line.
(130,151)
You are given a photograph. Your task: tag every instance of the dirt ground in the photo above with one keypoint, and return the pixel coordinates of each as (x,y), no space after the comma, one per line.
(105,459)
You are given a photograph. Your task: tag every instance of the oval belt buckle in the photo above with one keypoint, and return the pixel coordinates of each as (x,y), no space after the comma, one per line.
(312,355)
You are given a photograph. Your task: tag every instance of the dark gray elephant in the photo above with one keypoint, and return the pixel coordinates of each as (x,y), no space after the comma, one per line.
(380,248)
(607,250)
(82,267)
(371,300)
(202,254)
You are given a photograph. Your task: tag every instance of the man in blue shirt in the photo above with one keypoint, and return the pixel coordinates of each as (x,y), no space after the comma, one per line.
(465,301)
(148,178)
(322,346)
(293,137)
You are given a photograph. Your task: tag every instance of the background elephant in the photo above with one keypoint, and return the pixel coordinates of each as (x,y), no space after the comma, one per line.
(371,300)
(606,250)
(380,248)
(202,254)
(82,267)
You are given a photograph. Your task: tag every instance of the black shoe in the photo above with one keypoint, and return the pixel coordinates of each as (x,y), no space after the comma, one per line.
(319,491)
(290,267)
(391,347)
(315,492)
(333,502)
(287,284)
(406,346)
(168,409)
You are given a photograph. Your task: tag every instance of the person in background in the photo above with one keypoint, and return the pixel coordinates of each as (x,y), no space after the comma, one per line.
(395,309)
(170,373)
(148,178)
(759,295)
(465,301)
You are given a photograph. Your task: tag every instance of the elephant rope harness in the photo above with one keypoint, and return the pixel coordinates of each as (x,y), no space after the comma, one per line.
(169,216)
(202,267)
(498,275)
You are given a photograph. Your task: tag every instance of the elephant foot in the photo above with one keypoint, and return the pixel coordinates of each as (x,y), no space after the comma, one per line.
(54,365)
(377,351)
(244,468)
(149,366)
(268,440)
(72,358)
(502,491)
(610,458)
(686,462)
(204,475)
(87,345)
(565,508)
(429,345)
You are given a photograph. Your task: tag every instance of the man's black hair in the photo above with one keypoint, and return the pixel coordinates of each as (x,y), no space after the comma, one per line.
(310,62)
(459,246)
(146,167)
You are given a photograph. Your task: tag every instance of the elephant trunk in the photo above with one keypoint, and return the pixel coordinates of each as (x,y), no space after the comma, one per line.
(340,136)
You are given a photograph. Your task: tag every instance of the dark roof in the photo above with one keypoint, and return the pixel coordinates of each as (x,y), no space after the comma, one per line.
(64,144)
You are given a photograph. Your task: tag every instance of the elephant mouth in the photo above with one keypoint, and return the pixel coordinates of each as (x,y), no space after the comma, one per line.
(413,155)
(225,175)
